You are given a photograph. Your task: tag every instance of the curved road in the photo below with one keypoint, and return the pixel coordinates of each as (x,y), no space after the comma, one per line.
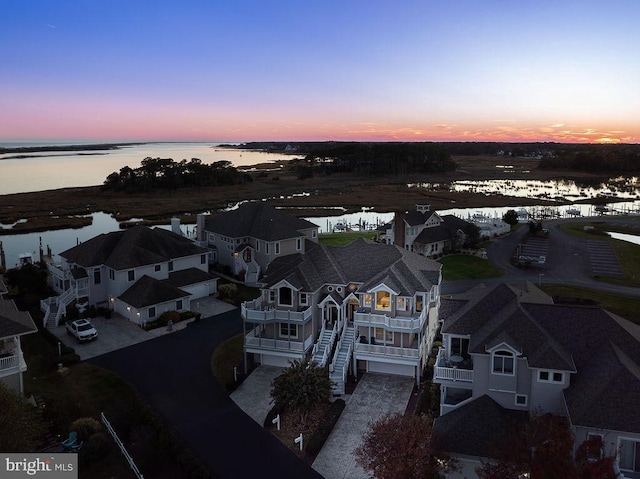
(173,374)
(567,260)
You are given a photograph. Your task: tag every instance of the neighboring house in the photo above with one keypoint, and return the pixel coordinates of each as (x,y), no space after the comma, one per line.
(426,232)
(13,325)
(490,227)
(250,237)
(139,273)
(377,303)
(508,349)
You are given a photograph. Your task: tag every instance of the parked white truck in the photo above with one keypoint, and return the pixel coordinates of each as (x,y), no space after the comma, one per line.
(82,329)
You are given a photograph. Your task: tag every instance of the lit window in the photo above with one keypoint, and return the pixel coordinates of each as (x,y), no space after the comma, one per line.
(383,300)
(402,304)
(367,300)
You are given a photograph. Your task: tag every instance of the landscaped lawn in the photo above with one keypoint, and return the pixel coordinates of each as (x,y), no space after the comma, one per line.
(227,356)
(620,305)
(462,266)
(342,239)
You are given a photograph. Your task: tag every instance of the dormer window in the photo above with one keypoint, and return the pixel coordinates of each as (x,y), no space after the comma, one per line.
(503,363)
(285,296)
(383,300)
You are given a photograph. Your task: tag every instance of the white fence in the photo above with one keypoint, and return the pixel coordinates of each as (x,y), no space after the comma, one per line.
(126,455)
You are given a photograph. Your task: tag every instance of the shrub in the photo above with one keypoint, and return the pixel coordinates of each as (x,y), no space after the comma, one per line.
(321,434)
(164,318)
(85,427)
(68,359)
(228,291)
(95,448)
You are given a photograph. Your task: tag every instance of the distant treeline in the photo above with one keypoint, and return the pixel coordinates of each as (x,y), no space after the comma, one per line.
(594,158)
(418,157)
(375,159)
(165,173)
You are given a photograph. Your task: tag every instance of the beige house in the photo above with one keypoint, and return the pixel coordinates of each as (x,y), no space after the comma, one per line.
(249,238)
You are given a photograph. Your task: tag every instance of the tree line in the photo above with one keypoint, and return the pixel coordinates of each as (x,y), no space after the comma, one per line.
(375,158)
(165,173)
(595,158)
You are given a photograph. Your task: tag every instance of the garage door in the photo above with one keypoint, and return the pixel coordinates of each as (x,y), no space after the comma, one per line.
(197,290)
(399,369)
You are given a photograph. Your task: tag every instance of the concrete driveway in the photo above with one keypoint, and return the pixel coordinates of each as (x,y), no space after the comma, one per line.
(118,332)
(253,396)
(375,395)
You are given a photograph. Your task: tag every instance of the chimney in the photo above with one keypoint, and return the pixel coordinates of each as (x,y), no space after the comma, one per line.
(200,236)
(175,226)
(398,228)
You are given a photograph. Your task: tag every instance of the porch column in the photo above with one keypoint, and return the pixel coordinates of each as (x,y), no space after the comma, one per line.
(244,348)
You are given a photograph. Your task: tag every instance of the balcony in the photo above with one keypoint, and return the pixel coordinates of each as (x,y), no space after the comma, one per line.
(387,351)
(257,311)
(254,340)
(452,368)
(398,323)
(12,362)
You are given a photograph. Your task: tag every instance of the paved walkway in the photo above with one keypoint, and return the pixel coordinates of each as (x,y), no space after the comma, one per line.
(375,396)
(254,394)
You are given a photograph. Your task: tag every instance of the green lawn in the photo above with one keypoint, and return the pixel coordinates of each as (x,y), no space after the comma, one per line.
(462,266)
(342,239)
(227,356)
(620,305)
(628,254)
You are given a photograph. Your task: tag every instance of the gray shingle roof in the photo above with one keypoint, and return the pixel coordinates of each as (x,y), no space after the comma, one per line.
(361,261)
(479,428)
(14,322)
(496,317)
(415,217)
(258,220)
(148,291)
(605,391)
(188,277)
(445,231)
(131,248)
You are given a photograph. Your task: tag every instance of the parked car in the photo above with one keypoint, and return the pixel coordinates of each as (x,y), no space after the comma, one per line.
(82,329)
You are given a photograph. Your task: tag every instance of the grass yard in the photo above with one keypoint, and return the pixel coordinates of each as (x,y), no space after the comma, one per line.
(620,305)
(227,356)
(462,266)
(342,239)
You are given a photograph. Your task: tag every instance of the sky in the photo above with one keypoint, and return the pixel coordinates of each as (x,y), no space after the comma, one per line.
(370,70)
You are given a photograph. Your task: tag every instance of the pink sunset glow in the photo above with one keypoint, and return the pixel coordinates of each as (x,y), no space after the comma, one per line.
(199,72)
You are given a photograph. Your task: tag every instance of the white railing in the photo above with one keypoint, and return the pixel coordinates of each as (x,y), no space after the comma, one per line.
(345,366)
(443,371)
(382,320)
(317,344)
(279,344)
(9,362)
(338,347)
(255,311)
(126,455)
(391,351)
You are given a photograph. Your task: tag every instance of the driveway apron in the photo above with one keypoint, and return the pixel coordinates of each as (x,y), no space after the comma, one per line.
(375,396)
(173,374)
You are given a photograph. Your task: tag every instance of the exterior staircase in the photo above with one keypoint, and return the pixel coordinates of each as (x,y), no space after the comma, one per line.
(55,307)
(322,348)
(341,359)
(252,273)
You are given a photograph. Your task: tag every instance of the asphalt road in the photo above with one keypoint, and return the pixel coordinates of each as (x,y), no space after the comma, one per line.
(567,261)
(173,374)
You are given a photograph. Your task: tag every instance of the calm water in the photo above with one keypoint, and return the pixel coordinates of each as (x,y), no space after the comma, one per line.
(68,169)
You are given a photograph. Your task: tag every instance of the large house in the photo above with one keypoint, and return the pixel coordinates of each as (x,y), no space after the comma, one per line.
(425,232)
(13,325)
(250,237)
(377,303)
(509,350)
(138,272)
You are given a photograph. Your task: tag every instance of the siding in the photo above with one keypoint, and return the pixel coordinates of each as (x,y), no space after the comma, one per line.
(547,396)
